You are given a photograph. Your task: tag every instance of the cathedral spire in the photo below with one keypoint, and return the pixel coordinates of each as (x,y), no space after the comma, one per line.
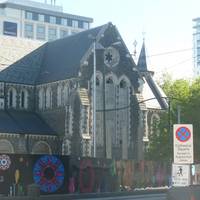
(142,62)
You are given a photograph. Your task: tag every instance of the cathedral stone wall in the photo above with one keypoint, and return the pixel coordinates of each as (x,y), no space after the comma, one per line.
(18,88)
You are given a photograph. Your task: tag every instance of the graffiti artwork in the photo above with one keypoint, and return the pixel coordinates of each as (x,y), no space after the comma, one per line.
(64,174)
(48,173)
(86,176)
(4,162)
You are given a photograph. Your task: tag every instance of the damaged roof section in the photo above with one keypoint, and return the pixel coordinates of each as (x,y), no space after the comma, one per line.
(154,97)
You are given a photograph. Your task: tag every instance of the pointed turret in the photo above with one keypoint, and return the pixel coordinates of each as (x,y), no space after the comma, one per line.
(142,63)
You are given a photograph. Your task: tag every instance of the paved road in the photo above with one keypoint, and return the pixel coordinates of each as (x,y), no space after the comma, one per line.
(136,197)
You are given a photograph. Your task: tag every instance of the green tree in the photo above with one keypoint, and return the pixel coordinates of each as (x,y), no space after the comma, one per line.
(192,115)
(158,148)
(161,141)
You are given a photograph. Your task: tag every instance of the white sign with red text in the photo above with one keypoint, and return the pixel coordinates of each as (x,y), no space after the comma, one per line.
(183,143)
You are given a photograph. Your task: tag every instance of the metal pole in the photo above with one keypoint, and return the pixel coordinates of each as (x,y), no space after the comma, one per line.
(104,114)
(169,118)
(94,98)
(170,133)
(178,114)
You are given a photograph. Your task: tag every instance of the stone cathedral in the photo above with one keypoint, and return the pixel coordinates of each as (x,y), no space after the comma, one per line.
(46,104)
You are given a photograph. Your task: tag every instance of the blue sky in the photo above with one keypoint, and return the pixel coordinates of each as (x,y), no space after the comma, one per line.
(167,25)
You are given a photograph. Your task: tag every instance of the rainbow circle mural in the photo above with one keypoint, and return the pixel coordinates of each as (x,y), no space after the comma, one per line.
(48,173)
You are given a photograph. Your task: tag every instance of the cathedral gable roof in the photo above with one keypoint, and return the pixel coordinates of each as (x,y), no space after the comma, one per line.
(62,57)
(53,61)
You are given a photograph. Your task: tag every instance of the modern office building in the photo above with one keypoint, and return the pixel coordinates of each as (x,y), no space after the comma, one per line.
(39,21)
(196,46)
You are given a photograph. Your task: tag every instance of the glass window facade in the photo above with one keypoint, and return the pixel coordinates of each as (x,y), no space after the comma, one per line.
(69,22)
(52,34)
(64,22)
(52,19)
(9,28)
(40,17)
(49,27)
(40,32)
(56,20)
(29,15)
(80,24)
(75,23)
(28,30)
(86,25)
(35,16)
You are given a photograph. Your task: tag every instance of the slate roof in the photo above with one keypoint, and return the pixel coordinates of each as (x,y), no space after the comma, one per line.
(25,70)
(155,96)
(142,63)
(62,57)
(53,61)
(160,101)
(23,123)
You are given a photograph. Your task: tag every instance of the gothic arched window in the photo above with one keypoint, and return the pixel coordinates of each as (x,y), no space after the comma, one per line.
(59,95)
(97,81)
(24,99)
(122,84)
(65,95)
(155,119)
(12,98)
(41,96)
(109,81)
(48,98)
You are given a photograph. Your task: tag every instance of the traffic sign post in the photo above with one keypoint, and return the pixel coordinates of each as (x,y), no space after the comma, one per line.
(180,175)
(183,143)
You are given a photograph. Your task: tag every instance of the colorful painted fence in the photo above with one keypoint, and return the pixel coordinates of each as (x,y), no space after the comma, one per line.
(64,174)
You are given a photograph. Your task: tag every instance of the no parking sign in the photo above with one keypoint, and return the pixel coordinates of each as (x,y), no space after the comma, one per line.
(183,143)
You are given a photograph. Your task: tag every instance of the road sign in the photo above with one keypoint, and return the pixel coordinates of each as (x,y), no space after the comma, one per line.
(183,134)
(183,144)
(180,175)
